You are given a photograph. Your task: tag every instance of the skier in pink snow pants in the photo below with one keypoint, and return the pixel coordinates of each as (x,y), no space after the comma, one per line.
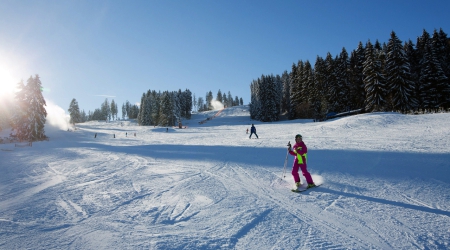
(300,152)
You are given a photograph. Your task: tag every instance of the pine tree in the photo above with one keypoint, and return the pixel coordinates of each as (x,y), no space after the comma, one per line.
(399,82)
(128,109)
(149,108)
(74,112)
(219,96)
(229,102)
(419,53)
(35,113)
(201,104)
(295,98)
(374,80)
(236,101)
(106,110)
(134,111)
(319,94)
(255,103)
(124,111)
(176,105)
(307,84)
(331,87)
(342,80)
(224,99)
(195,103)
(414,65)
(445,50)
(155,103)
(279,91)
(441,43)
(285,100)
(146,110)
(84,117)
(113,109)
(187,105)
(269,110)
(20,116)
(166,111)
(356,78)
(209,98)
(433,82)
(140,118)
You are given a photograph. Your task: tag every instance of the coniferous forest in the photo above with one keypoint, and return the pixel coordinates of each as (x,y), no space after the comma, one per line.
(168,108)
(404,77)
(401,77)
(156,108)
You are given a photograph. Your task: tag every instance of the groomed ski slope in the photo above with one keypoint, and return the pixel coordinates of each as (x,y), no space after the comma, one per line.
(385,185)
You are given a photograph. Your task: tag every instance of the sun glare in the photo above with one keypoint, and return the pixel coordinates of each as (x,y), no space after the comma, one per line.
(7,82)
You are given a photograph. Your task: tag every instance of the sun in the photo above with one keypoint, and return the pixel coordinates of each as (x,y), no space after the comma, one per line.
(8,83)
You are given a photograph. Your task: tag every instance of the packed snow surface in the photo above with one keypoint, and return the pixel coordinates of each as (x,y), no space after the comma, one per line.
(385,185)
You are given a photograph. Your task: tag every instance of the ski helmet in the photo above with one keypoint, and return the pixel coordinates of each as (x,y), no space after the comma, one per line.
(298,135)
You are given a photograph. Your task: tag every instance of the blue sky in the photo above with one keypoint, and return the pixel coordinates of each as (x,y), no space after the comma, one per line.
(92,50)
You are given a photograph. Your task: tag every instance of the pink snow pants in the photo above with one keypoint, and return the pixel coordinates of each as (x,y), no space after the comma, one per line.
(305,173)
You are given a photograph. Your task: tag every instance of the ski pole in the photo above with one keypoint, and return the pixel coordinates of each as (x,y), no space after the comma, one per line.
(285,162)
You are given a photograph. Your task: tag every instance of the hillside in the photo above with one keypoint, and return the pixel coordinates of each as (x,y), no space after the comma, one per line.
(385,185)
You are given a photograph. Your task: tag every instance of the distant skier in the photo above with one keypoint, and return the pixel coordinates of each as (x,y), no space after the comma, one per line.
(300,152)
(247,131)
(253,131)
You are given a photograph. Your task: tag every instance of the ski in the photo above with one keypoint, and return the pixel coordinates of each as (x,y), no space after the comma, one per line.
(303,189)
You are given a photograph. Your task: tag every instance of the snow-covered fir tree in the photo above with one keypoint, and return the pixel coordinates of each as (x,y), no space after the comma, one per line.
(319,93)
(307,88)
(200,104)
(268,98)
(209,98)
(398,76)
(285,100)
(74,112)
(414,66)
(229,102)
(441,44)
(342,80)
(295,98)
(20,116)
(375,84)
(187,104)
(38,113)
(220,97)
(124,111)
(331,88)
(356,78)
(166,109)
(434,89)
(113,109)
(177,103)
(105,110)
(31,114)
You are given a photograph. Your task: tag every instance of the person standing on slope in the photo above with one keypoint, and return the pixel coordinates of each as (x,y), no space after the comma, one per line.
(253,131)
(300,152)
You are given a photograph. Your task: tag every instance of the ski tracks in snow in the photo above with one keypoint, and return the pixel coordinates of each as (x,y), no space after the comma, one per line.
(313,227)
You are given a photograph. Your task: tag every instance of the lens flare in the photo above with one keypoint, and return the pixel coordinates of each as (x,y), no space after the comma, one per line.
(7,83)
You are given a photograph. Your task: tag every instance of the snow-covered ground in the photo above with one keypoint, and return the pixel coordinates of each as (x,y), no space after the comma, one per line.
(385,185)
